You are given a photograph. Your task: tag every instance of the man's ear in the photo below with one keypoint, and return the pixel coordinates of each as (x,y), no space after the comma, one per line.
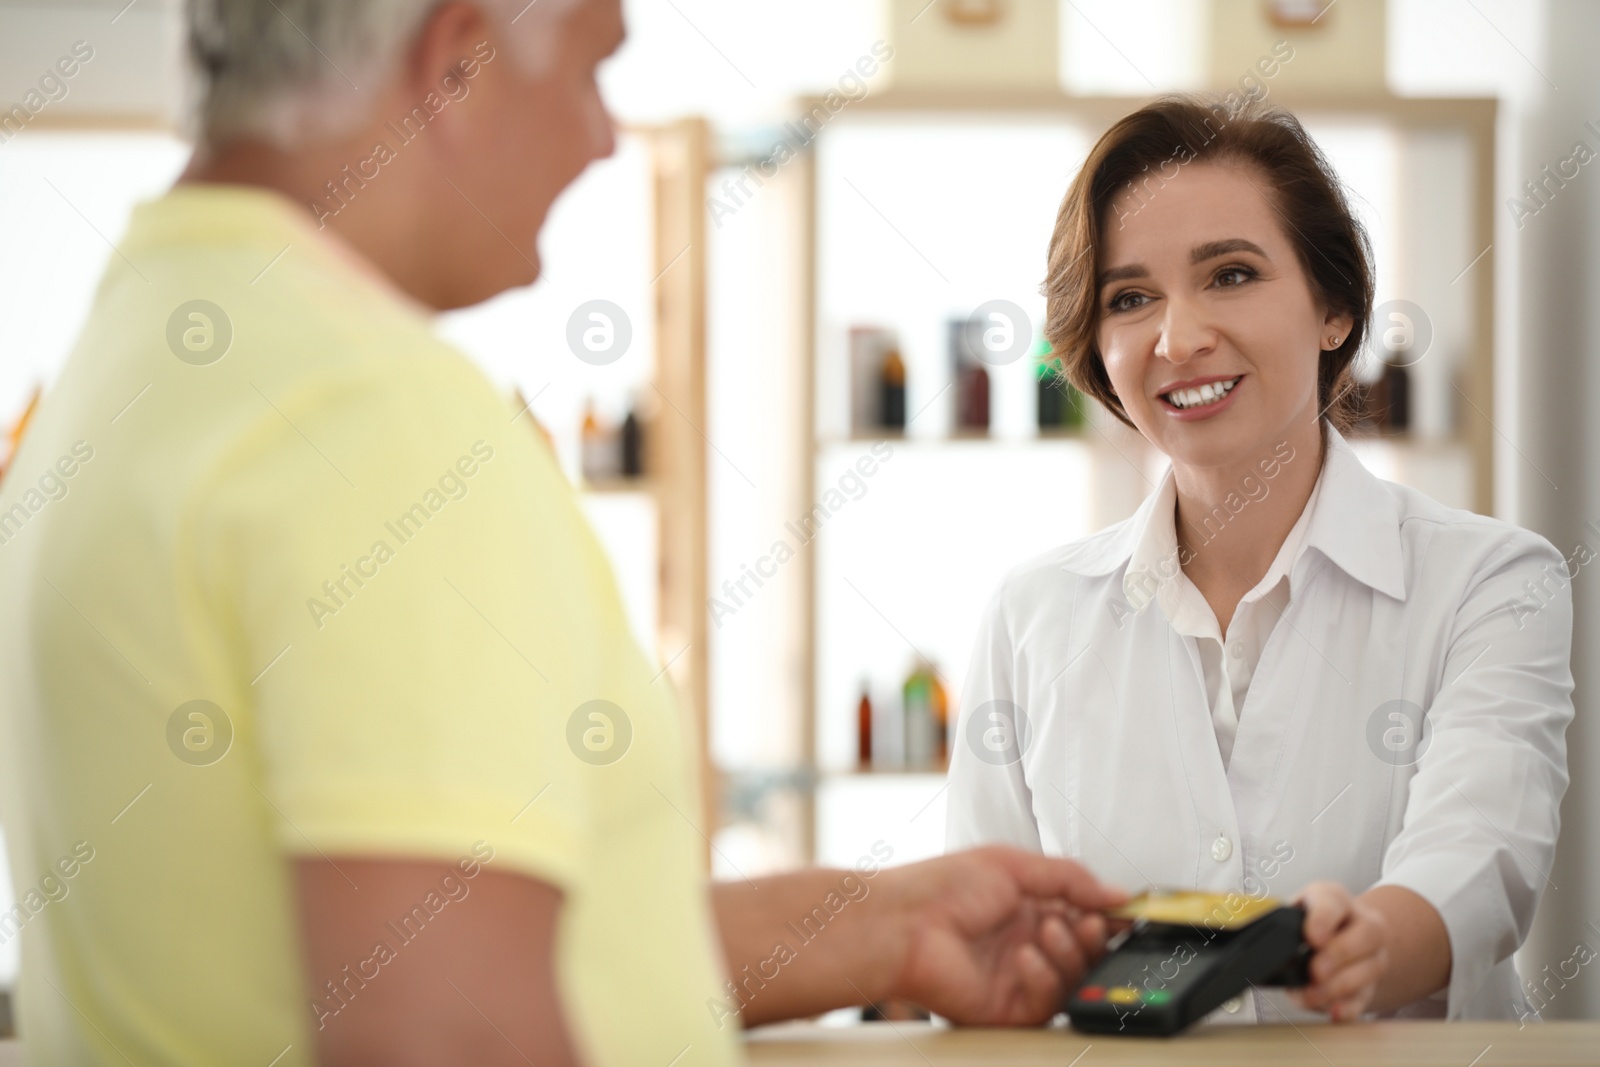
(443,42)
(446,75)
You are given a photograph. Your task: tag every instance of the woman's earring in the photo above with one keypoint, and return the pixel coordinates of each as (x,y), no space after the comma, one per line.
(1334,341)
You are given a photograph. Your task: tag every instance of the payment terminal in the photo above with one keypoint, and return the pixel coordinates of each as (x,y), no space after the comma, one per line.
(1186,954)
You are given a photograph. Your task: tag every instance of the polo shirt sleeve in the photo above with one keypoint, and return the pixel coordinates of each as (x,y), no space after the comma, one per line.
(989,800)
(414,600)
(1483,811)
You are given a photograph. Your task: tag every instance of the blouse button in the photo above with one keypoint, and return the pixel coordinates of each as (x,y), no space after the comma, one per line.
(1237,648)
(1221,848)
(1232,1005)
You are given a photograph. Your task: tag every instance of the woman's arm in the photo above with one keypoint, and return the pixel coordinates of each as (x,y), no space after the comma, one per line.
(1463,877)
(1419,947)
(988,800)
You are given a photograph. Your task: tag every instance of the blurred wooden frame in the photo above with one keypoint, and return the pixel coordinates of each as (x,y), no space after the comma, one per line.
(681,153)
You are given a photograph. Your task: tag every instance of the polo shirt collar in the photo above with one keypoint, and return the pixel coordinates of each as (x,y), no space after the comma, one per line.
(1355,523)
(216,213)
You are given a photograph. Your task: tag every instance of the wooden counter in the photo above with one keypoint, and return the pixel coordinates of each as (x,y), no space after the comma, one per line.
(1385,1044)
(1372,1044)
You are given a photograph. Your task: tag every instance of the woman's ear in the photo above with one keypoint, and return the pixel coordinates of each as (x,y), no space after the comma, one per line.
(1336,326)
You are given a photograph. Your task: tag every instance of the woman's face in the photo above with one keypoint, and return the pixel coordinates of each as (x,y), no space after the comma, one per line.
(1209,329)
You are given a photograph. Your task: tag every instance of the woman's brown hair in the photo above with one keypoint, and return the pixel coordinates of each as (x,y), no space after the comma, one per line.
(1147,149)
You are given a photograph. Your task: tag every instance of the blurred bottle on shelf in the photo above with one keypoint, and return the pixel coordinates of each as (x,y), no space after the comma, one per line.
(1052,401)
(599,458)
(971,377)
(941,721)
(927,718)
(870,347)
(1383,404)
(1368,404)
(888,733)
(892,390)
(864,728)
(974,398)
(1061,407)
(608,451)
(1396,390)
(632,444)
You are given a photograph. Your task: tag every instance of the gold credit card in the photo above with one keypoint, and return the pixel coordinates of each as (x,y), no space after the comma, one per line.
(1192,907)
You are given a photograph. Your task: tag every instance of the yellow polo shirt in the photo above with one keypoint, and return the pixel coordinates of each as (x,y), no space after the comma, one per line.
(282,577)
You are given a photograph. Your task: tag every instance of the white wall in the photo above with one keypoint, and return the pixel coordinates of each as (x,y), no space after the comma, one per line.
(1556,485)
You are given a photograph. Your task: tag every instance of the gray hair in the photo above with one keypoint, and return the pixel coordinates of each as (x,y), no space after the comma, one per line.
(291,70)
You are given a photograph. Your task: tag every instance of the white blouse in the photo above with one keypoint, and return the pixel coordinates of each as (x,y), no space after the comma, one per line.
(1155,558)
(1405,724)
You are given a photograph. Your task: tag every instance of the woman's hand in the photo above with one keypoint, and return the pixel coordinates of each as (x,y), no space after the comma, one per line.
(1350,938)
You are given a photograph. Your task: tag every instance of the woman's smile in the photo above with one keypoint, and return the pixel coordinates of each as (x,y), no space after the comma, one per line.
(1199,398)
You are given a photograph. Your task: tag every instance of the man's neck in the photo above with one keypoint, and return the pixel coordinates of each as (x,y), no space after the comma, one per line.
(375,224)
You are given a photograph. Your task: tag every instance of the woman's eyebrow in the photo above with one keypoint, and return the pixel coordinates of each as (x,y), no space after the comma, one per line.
(1116,274)
(1199,254)
(1213,249)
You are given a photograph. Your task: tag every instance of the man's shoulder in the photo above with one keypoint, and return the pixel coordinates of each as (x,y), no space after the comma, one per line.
(304,374)
(235,276)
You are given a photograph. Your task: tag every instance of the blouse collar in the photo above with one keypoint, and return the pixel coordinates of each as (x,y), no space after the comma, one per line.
(1354,522)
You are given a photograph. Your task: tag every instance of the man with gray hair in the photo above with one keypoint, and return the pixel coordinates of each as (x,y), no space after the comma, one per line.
(312,685)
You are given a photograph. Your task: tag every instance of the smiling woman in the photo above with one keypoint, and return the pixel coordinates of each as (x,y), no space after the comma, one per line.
(1218,314)
(1270,154)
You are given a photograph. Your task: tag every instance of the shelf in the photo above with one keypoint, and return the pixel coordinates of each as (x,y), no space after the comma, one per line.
(1405,442)
(1052,438)
(887,772)
(1410,441)
(643,485)
(871,814)
(979,104)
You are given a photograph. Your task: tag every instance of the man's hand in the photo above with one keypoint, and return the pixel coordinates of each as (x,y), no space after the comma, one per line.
(996,936)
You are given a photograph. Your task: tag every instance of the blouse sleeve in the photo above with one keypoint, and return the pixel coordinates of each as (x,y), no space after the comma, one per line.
(990,802)
(1483,811)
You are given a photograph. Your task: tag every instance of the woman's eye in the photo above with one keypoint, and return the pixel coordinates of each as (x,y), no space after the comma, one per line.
(1230,276)
(1125,301)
